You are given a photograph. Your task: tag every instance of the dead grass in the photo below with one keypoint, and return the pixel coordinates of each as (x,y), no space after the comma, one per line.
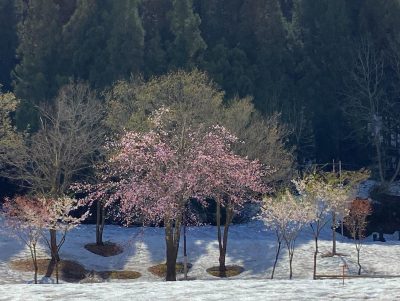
(160,270)
(106,250)
(69,271)
(119,274)
(231,270)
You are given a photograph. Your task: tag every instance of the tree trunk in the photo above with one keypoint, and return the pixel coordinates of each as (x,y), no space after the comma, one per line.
(333,233)
(57,261)
(291,252)
(223,239)
(34,261)
(278,249)
(315,258)
(379,156)
(358,261)
(54,252)
(185,258)
(100,221)
(172,236)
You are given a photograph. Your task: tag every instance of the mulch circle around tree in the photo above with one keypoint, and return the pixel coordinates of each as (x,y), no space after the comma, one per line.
(160,270)
(231,270)
(69,271)
(106,275)
(106,250)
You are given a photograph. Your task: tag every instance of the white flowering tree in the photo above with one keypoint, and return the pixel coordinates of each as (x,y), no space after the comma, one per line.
(286,215)
(312,190)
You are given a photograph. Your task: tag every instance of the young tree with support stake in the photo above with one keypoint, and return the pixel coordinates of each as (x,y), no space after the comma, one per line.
(312,189)
(356,222)
(339,190)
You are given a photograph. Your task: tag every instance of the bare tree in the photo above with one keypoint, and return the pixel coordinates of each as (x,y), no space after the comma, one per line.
(371,107)
(356,223)
(68,141)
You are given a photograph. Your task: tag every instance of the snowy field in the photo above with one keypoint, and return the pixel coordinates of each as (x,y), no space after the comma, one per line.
(374,289)
(250,245)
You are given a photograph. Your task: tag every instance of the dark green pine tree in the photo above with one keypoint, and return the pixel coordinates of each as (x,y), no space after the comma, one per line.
(186,48)
(263,34)
(8,44)
(327,31)
(126,40)
(85,42)
(39,32)
(155,24)
(36,74)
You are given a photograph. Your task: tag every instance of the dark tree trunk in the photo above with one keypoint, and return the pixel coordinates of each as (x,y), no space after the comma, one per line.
(278,249)
(34,261)
(172,236)
(315,258)
(333,233)
(223,239)
(290,264)
(358,261)
(185,258)
(100,221)
(57,261)
(54,252)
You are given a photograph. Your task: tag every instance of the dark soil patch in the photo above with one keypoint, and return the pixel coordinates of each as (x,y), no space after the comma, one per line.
(231,270)
(106,250)
(69,271)
(160,270)
(119,274)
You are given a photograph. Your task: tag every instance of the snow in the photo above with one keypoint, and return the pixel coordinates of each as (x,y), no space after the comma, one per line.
(250,245)
(372,289)
(366,187)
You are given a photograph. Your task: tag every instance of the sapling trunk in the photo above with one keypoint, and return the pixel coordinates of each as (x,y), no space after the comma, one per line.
(315,257)
(34,261)
(333,233)
(290,264)
(358,261)
(278,249)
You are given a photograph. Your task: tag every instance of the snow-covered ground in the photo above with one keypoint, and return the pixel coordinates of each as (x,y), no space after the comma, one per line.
(218,290)
(250,245)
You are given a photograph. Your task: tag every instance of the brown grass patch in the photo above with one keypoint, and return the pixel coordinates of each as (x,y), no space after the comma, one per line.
(69,271)
(160,270)
(119,274)
(231,270)
(106,250)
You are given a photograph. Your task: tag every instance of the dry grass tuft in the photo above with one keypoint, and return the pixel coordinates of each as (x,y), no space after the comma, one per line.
(160,270)
(69,271)
(231,270)
(119,274)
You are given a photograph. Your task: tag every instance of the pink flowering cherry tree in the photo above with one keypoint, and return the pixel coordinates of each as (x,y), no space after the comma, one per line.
(231,180)
(157,178)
